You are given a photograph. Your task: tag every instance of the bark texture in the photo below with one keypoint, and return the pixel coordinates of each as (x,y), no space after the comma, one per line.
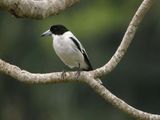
(36,9)
(91,77)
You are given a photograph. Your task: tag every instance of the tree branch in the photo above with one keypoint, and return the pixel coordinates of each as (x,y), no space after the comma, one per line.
(120,104)
(35,9)
(127,39)
(90,77)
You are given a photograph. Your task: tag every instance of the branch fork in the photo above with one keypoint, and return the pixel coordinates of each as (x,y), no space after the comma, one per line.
(89,77)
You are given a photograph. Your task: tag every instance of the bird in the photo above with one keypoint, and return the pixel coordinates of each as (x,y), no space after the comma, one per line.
(68,48)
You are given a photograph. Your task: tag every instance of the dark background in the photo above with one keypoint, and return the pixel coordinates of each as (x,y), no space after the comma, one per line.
(100,26)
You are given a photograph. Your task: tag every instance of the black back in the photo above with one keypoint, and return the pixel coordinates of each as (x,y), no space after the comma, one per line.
(58,29)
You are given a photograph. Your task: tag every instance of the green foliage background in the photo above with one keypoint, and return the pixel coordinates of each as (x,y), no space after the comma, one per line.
(100,26)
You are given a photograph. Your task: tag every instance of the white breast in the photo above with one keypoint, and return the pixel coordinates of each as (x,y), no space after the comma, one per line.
(67,51)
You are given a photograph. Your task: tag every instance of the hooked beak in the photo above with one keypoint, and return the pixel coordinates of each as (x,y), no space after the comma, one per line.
(47,33)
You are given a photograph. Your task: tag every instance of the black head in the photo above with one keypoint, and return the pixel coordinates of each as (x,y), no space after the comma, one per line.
(58,29)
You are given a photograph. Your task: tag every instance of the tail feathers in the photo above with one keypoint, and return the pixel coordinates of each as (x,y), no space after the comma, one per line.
(86,59)
(89,68)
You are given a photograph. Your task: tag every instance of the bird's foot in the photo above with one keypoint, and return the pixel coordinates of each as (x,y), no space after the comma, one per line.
(78,73)
(63,75)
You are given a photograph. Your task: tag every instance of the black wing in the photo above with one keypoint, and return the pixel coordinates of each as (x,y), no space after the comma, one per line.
(76,43)
(86,58)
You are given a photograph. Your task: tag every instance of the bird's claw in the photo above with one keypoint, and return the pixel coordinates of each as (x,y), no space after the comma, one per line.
(63,75)
(78,73)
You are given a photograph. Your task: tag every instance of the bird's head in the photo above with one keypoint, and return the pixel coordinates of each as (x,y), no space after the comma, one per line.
(55,30)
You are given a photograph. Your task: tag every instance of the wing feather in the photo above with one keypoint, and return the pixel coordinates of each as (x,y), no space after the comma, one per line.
(82,50)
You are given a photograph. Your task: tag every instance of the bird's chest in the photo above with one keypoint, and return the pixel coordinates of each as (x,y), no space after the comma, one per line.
(68,51)
(61,45)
